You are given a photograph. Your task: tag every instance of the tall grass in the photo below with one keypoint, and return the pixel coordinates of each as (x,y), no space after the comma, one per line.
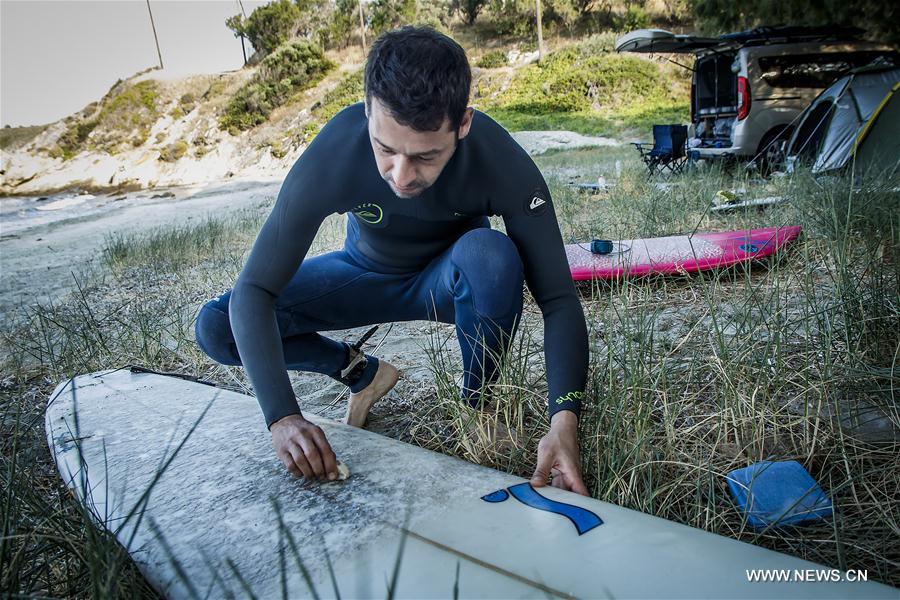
(693,377)
(138,310)
(689,377)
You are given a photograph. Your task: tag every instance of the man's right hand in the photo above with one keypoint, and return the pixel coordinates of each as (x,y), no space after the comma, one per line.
(303,449)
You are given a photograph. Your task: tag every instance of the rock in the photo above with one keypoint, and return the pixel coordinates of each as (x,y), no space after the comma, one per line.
(538,142)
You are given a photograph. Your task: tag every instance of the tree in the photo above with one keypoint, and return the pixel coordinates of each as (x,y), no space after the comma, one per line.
(880,19)
(469,9)
(337,31)
(388,14)
(268,26)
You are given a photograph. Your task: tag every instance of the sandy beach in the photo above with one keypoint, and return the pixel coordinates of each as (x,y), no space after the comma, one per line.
(44,241)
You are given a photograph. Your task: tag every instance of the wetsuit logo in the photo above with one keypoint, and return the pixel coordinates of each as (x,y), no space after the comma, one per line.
(369,212)
(536,204)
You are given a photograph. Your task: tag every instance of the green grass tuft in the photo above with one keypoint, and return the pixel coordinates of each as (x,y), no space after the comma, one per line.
(493,59)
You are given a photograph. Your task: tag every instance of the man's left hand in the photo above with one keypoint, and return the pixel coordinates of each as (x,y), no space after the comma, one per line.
(558,455)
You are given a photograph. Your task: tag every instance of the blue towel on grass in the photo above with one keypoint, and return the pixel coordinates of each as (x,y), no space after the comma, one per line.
(777,494)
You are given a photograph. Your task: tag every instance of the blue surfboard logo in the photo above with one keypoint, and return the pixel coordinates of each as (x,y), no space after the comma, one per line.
(583,519)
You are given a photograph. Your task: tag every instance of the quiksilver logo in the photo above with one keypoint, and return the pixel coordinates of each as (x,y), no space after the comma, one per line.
(536,205)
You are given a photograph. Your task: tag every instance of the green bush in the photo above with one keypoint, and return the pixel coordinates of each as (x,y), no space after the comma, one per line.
(634,18)
(187,102)
(469,9)
(567,81)
(215,89)
(126,114)
(17,136)
(599,43)
(277,149)
(75,136)
(292,68)
(512,17)
(173,152)
(348,91)
(388,14)
(492,60)
(435,13)
(338,31)
(582,88)
(517,18)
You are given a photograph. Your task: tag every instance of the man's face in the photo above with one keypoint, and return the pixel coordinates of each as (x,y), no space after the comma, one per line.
(408,160)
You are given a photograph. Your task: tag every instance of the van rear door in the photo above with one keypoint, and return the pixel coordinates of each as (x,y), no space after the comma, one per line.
(714,94)
(658,40)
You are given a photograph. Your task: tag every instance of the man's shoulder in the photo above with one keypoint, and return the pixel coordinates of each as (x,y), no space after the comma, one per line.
(352,112)
(349,122)
(483,126)
(498,156)
(321,171)
(495,144)
(342,141)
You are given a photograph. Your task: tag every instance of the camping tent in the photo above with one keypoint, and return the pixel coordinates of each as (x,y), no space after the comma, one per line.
(855,121)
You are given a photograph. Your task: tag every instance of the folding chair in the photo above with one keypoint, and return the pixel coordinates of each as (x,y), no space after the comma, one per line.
(668,151)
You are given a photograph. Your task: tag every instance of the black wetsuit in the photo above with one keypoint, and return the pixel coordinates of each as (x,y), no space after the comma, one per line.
(400,254)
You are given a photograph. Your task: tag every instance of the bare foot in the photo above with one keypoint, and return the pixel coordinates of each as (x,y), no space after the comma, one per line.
(360,403)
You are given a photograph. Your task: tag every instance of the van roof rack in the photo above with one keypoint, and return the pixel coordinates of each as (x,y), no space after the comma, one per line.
(792,33)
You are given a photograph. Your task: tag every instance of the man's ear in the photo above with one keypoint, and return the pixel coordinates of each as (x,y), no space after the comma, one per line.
(466,124)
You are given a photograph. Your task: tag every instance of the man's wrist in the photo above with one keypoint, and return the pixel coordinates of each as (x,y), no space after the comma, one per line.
(564,419)
(285,419)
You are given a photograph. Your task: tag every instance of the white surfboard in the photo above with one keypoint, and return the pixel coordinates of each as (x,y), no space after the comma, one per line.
(207,526)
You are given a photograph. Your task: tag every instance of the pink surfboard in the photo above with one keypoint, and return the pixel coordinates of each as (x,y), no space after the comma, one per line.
(678,253)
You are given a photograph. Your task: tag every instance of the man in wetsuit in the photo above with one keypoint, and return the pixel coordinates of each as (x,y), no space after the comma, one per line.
(419,172)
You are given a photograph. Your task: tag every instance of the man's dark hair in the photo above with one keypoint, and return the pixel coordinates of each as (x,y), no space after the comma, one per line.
(421,76)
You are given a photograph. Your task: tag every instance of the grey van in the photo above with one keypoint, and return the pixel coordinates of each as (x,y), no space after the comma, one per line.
(749,88)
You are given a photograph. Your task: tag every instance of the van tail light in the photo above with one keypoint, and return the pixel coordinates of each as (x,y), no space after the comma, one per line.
(743,87)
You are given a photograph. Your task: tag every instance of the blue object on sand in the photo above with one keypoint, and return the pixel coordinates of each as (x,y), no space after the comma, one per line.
(778,494)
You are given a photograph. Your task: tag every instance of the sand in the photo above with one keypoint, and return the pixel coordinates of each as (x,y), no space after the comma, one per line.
(41,249)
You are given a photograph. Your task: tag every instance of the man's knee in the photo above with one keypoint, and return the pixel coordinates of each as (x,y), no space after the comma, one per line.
(492,267)
(212,330)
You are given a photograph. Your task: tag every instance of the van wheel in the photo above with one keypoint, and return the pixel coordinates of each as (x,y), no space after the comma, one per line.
(770,154)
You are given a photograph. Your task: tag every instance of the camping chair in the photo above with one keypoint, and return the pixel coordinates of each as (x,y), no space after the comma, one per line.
(667,151)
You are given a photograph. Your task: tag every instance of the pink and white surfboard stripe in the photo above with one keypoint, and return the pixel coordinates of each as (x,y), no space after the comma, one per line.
(678,253)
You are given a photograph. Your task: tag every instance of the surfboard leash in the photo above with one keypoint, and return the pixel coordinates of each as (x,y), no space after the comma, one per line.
(357,358)
(184,376)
